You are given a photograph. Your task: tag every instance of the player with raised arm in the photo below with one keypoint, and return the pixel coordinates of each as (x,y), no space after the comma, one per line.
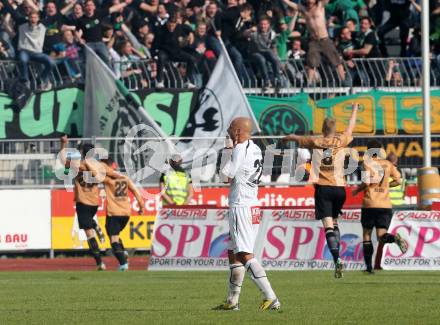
(118,211)
(86,197)
(243,172)
(378,175)
(328,163)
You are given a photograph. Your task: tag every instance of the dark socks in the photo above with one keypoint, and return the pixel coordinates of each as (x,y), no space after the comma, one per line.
(368,254)
(387,239)
(332,242)
(122,244)
(118,251)
(94,250)
(337,234)
(378,256)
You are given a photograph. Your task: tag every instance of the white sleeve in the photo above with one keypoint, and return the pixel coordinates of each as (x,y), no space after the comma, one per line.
(237,158)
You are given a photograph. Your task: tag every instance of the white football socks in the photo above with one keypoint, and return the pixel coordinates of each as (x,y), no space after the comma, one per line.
(236,276)
(258,275)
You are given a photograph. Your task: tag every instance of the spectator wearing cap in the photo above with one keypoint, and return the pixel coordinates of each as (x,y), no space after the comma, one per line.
(262,52)
(30,49)
(175,184)
(90,27)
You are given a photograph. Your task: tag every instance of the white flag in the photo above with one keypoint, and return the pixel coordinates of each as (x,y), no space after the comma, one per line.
(220,102)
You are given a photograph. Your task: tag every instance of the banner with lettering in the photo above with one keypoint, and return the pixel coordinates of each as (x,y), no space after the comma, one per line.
(421,231)
(50,114)
(196,238)
(190,238)
(388,113)
(66,234)
(45,115)
(293,239)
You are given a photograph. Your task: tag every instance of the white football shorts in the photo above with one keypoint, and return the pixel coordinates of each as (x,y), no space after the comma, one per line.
(243,228)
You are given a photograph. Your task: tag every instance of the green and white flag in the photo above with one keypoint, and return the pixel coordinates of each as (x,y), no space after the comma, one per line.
(110,111)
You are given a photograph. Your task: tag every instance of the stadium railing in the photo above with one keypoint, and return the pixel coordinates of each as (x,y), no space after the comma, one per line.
(388,74)
(34,164)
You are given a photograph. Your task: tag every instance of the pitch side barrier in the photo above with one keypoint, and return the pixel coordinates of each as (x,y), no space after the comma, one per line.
(35,164)
(195,237)
(398,74)
(289,238)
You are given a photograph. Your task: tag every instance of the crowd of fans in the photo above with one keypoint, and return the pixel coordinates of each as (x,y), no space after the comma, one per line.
(258,34)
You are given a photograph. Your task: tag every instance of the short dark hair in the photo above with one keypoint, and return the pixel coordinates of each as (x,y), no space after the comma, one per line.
(51,1)
(374,144)
(172,19)
(246,6)
(85,148)
(342,29)
(264,17)
(352,20)
(366,18)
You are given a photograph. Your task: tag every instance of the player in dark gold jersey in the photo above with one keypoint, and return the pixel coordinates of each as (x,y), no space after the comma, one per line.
(87,198)
(327,174)
(118,212)
(378,175)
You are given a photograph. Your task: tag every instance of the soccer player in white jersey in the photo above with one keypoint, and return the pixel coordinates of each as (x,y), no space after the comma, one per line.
(244,171)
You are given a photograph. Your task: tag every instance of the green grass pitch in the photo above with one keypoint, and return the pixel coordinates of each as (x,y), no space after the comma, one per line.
(141,297)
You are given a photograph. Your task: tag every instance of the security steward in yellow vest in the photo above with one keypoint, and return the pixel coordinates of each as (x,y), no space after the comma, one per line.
(397,194)
(175,185)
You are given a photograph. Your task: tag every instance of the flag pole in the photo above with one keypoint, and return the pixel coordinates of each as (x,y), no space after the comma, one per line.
(426,75)
(142,109)
(238,80)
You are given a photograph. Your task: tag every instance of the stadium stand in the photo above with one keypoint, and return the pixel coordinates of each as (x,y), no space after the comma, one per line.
(174,44)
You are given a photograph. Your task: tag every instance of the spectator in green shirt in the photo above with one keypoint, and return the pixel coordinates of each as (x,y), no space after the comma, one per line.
(286,31)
